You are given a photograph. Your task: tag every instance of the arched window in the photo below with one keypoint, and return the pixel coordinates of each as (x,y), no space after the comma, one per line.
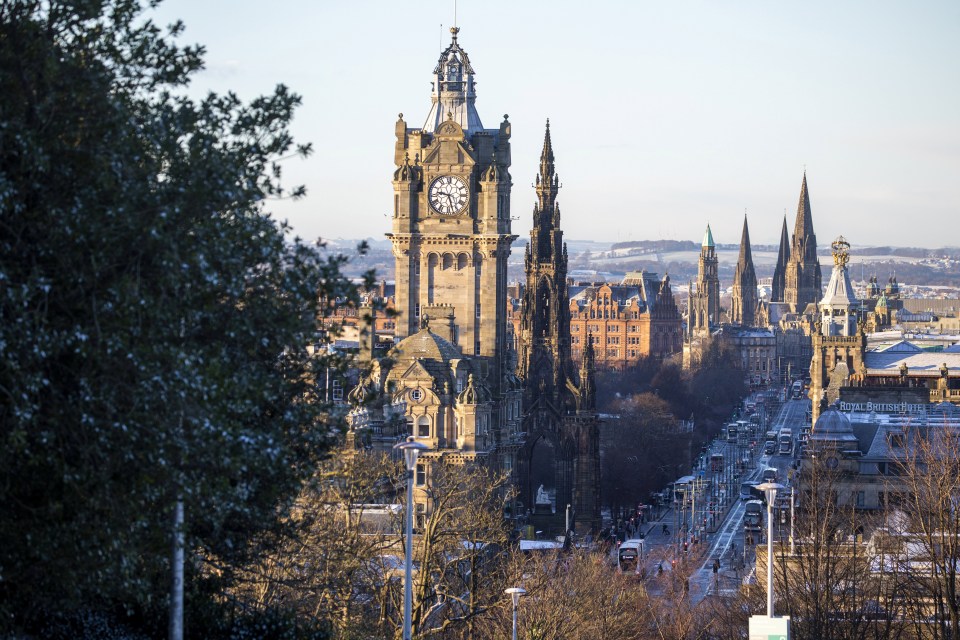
(423,427)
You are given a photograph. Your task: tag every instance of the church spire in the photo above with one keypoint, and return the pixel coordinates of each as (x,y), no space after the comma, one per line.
(744,300)
(746,257)
(803,282)
(803,228)
(707,237)
(780,271)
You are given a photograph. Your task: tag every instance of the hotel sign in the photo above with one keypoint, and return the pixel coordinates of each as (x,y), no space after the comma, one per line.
(883,407)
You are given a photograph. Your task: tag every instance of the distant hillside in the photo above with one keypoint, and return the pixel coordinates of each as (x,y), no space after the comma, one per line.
(907,252)
(679,258)
(657,245)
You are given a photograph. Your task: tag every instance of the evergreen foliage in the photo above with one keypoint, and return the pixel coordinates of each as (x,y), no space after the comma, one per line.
(153,316)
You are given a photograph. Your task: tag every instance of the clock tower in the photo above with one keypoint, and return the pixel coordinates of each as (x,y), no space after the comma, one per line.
(451,217)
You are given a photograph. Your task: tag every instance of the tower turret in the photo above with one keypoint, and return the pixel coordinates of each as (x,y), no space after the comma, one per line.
(704,301)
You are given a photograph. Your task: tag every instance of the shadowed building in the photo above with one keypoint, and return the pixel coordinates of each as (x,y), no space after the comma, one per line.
(561,454)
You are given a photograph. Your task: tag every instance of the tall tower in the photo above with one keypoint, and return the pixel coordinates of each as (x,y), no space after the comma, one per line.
(451,217)
(803,284)
(780,271)
(543,359)
(838,338)
(744,303)
(704,304)
(562,448)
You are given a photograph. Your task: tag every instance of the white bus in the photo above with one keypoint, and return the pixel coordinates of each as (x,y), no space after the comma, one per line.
(630,556)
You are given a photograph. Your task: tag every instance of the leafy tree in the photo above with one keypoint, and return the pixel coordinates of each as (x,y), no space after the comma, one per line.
(153,316)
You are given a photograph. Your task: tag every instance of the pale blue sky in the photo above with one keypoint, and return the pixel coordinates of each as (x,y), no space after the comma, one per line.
(664,115)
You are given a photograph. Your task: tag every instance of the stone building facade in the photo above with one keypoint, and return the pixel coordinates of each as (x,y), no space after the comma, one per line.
(451,218)
(626,322)
(838,339)
(703,309)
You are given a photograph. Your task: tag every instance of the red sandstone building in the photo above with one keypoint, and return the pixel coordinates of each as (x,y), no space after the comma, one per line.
(629,321)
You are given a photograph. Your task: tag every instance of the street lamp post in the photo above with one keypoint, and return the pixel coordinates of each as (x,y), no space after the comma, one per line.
(770,489)
(411,450)
(515,593)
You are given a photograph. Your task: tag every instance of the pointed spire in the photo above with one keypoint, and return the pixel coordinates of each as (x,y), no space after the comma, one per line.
(784,254)
(803,227)
(743,305)
(708,237)
(547,184)
(745,255)
(546,156)
(780,270)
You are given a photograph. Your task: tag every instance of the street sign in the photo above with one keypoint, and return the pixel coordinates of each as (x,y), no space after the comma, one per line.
(764,628)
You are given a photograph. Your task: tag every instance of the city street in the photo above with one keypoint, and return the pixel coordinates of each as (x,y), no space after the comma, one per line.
(724,541)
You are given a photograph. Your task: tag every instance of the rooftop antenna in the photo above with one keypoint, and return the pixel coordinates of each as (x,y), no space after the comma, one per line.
(454,13)
(441,36)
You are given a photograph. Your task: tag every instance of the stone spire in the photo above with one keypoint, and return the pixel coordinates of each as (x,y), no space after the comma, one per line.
(780,271)
(548,183)
(803,227)
(744,301)
(543,359)
(803,282)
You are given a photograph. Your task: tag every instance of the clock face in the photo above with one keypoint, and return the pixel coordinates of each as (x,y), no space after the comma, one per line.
(448,195)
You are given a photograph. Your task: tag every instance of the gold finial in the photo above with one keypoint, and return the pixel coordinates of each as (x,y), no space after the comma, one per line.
(454,31)
(841,249)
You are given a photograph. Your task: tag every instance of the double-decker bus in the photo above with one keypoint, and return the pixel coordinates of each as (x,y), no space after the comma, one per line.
(786,441)
(797,389)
